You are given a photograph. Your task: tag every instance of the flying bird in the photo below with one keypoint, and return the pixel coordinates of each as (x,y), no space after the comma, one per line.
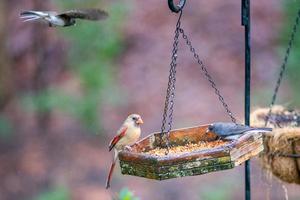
(128,134)
(67,18)
(228,130)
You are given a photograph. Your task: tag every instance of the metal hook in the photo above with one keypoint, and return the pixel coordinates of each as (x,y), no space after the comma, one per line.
(176,8)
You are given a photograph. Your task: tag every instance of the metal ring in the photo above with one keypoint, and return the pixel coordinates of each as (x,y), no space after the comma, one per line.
(176,8)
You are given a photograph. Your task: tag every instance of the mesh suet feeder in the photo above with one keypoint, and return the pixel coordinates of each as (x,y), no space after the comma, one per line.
(282,145)
(281,155)
(139,162)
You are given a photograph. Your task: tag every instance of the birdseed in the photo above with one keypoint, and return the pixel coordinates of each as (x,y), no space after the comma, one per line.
(189,147)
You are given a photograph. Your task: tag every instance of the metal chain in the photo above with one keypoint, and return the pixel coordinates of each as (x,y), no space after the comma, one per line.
(283,66)
(207,75)
(169,102)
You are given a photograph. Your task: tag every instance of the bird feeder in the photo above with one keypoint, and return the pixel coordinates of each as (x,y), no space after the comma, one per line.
(187,151)
(139,161)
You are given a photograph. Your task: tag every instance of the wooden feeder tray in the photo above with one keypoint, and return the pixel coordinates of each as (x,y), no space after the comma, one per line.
(139,162)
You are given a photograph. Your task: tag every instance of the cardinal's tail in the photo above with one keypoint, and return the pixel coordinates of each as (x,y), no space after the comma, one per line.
(33,15)
(110,174)
(112,166)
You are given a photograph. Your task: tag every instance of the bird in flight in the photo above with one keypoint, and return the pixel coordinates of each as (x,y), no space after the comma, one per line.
(63,19)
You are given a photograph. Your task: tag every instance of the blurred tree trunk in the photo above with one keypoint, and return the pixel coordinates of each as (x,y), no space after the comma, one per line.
(5,72)
(35,51)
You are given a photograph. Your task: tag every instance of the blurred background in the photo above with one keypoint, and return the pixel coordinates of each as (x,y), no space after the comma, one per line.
(64,92)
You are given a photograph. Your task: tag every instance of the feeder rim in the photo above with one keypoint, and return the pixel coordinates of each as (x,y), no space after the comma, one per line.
(147,158)
(143,158)
(219,149)
(191,127)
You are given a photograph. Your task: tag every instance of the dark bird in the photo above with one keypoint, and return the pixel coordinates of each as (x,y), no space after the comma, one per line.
(67,18)
(229,131)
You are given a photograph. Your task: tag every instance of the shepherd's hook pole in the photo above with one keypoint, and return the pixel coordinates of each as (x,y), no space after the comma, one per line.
(246,23)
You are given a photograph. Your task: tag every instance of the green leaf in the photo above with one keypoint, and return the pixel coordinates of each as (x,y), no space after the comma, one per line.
(126,194)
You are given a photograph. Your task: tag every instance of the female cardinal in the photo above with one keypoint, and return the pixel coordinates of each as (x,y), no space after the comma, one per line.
(127,135)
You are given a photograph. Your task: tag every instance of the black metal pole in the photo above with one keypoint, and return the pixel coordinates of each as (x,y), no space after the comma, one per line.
(246,24)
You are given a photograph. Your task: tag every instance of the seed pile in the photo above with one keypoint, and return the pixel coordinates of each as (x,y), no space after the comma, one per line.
(189,147)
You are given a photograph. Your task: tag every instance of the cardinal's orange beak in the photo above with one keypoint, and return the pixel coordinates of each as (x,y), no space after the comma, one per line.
(139,121)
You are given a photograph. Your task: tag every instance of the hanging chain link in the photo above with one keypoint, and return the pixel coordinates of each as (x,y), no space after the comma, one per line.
(283,66)
(207,75)
(169,102)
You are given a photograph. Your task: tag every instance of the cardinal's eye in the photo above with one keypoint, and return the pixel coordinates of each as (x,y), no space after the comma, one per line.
(134,118)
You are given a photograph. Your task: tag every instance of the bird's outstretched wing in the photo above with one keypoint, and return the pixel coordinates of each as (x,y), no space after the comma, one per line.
(88,14)
(117,138)
(30,15)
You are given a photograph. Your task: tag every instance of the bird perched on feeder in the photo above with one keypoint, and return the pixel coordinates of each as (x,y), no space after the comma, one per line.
(231,131)
(67,18)
(128,134)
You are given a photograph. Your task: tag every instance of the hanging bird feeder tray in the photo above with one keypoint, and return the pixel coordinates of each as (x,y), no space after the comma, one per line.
(146,159)
(188,151)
